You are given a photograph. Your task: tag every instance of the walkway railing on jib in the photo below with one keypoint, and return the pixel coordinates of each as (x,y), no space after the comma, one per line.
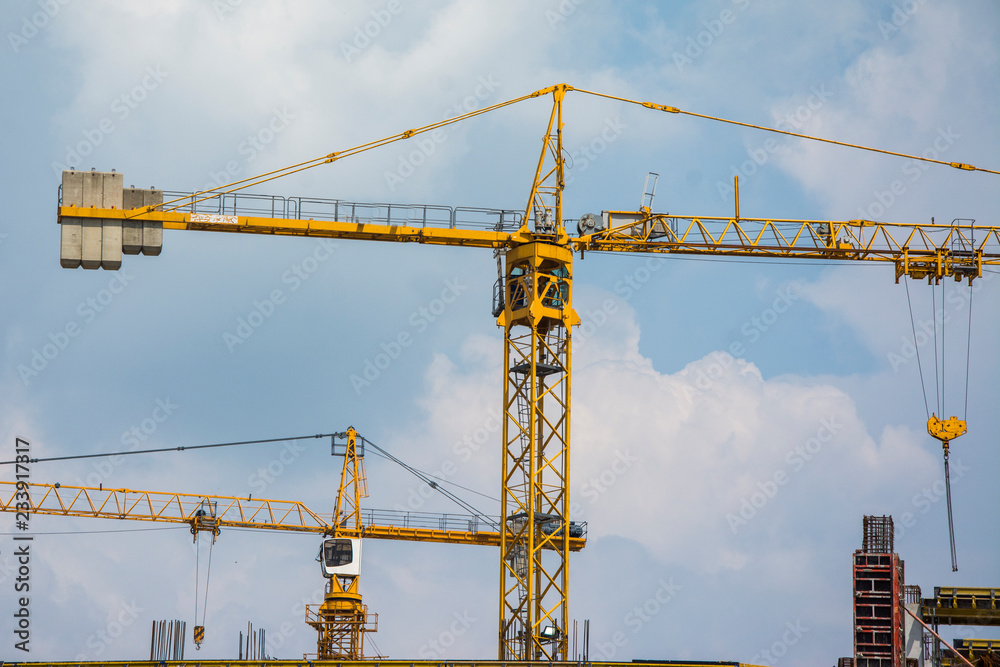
(337,210)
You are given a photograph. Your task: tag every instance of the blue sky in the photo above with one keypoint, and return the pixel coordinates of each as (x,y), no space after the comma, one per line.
(173,94)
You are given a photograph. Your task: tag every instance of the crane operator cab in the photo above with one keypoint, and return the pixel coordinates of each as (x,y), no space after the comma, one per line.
(340,557)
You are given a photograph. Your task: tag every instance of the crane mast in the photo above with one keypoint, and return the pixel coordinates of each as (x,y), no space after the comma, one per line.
(342,621)
(535,312)
(537,319)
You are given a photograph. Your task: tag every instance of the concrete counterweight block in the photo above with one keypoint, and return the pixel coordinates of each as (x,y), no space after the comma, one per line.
(71,232)
(145,236)
(132,229)
(152,232)
(111,237)
(92,243)
(93,197)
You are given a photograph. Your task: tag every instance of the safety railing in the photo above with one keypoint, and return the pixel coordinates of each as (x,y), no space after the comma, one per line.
(337,210)
(450,522)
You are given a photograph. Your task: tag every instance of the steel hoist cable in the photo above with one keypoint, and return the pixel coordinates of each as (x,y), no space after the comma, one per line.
(916,347)
(938,425)
(197,582)
(197,578)
(951,523)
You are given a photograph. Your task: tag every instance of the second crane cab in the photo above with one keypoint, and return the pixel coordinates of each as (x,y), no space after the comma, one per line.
(340,557)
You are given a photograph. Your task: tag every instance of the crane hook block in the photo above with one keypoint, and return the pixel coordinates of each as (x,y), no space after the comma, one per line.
(946,430)
(199,636)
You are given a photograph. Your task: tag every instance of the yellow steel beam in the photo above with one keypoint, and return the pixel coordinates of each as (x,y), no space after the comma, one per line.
(473,238)
(230,512)
(919,250)
(226,511)
(953,596)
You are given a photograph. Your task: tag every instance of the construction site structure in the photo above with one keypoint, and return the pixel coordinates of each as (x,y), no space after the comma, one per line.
(878,598)
(895,627)
(964,606)
(533,303)
(984,652)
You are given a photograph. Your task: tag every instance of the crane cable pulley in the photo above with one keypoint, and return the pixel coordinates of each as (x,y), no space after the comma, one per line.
(944,430)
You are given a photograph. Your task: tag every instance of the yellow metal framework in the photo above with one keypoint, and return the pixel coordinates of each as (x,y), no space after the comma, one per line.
(538,317)
(918,250)
(962,606)
(353,487)
(230,512)
(342,621)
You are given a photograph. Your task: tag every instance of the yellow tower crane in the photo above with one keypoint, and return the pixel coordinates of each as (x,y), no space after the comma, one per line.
(533,304)
(342,620)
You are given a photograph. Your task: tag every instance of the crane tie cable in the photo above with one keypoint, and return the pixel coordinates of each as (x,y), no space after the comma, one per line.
(172,449)
(916,347)
(424,477)
(669,109)
(250,181)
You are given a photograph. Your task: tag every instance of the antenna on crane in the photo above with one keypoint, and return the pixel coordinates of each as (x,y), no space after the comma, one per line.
(649,191)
